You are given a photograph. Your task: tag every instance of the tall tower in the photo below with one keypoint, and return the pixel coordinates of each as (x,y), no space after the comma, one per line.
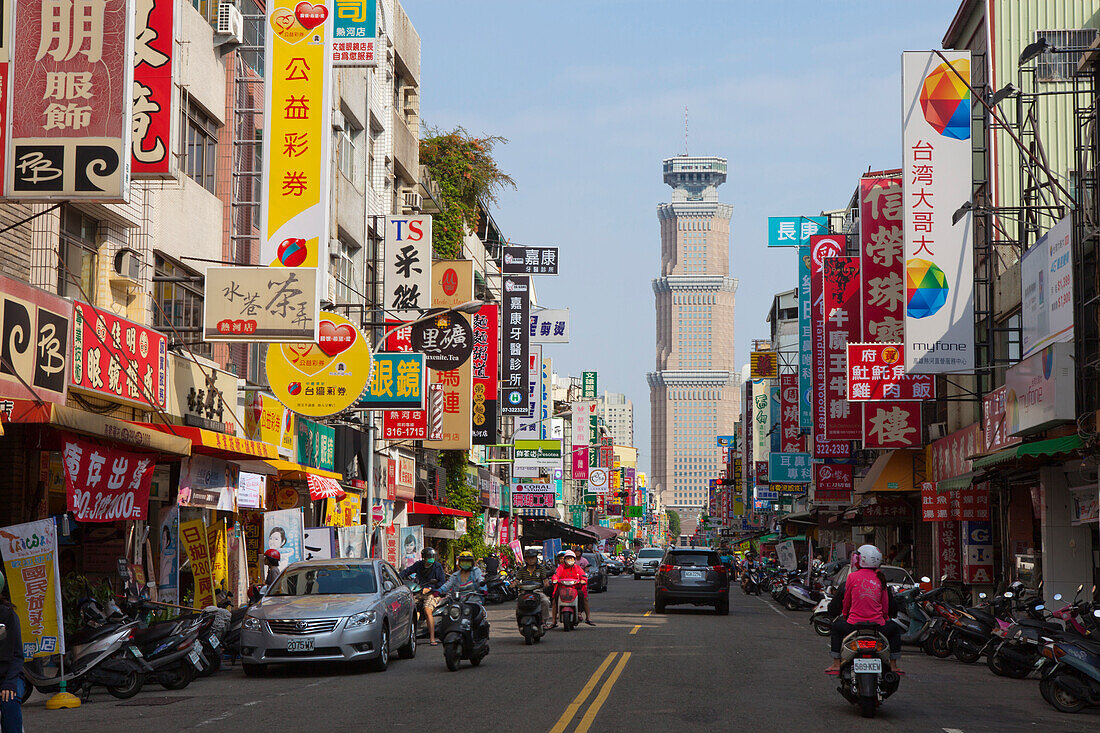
(694,391)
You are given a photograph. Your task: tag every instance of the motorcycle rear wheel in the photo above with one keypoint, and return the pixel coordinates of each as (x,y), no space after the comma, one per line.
(178,678)
(936,646)
(451,656)
(823,626)
(965,654)
(528,637)
(1004,668)
(1063,700)
(134,681)
(867,706)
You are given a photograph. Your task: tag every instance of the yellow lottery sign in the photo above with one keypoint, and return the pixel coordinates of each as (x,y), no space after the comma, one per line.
(297,141)
(325,377)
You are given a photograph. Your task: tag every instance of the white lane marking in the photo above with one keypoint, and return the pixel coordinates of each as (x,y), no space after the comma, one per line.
(952,730)
(784,616)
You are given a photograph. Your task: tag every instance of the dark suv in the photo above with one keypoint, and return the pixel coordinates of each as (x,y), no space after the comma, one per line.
(692,575)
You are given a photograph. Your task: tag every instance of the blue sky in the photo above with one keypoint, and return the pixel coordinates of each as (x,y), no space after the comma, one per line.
(801,97)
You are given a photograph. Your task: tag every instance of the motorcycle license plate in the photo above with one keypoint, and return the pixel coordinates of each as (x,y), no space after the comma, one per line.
(299,645)
(867,665)
(136,652)
(196,658)
(694,574)
(214,641)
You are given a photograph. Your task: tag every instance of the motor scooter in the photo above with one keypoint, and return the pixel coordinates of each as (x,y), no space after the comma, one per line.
(464,630)
(866,675)
(568,603)
(529,613)
(821,620)
(1072,682)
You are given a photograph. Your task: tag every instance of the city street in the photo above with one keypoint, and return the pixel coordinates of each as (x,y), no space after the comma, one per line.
(758,669)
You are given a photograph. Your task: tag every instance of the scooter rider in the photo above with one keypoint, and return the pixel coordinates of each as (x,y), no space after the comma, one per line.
(467,580)
(430,576)
(532,573)
(864,598)
(271,560)
(569,570)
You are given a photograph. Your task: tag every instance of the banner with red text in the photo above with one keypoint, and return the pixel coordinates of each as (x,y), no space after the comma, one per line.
(841,283)
(106,483)
(822,247)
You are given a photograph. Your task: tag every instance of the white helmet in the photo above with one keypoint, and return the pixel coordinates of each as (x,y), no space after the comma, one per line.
(869,556)
(570,553)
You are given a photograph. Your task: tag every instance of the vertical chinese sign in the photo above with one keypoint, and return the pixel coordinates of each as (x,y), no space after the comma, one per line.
(354,33)
(790,437)
(452,285)
(407,275)
(762,416)
(152,126)
(581,411)
(72,71)
(822,248)
(484,359)
(515,345)
(294,224)
(841,282)
(805,341)
(939,254)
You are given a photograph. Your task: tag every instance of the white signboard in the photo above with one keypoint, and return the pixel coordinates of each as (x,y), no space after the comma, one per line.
(407,274)
(529,427)
(533,495)
(582,412)
(550,326)
(1040,391)
(598,480)
(785,551)
(939,254)
(1046,275)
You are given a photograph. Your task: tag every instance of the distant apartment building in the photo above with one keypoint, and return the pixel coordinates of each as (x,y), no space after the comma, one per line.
(617,413)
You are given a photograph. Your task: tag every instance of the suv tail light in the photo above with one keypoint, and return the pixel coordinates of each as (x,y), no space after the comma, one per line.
(719,569)
(665,569)
(866,643)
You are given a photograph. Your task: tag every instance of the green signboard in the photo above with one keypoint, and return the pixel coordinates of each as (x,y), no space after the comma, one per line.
(590,500)
(588,385)
(634,511)
(316,445)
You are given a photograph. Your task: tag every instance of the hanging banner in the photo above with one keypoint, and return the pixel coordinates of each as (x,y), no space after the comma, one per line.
(761,430)
(453,285)
(486,327)
(790,436)
(168,553)
(407,277)
(355,28)
(582,413)
(324,377)
(515,345)
(840,276)
(1046,274)
(805,341)
(258,304)
(297,146)
(152,127)
(106,483)
(947,544)
(881,264)
(588,385)
(939,251)
(30,567)
(822,248)
(550,326)
(118,359)
(195,542)
(72,70)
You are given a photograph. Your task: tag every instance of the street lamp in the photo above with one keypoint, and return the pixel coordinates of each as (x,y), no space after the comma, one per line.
(1034,49)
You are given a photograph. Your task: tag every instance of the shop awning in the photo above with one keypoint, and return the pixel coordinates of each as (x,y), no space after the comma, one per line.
(1052,447)
(768,538)
(957,483)
(302,471)
(891,471)
(322,487)
(28,412)
(416,507)
(604,533)
(220,445)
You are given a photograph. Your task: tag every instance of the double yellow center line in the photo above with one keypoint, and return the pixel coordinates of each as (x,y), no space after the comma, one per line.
(594,708)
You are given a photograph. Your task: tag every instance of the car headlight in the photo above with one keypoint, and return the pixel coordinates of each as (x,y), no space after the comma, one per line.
(362,619)
(250,623)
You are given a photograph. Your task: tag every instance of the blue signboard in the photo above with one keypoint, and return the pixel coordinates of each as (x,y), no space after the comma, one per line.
(792,468)
(727,441)
(397,382)
(805,342)
(795,231)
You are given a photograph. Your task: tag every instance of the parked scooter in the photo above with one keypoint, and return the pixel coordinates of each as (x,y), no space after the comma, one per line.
(568,604)
(529,613)
(1072,682)
(866,677)
(464,630)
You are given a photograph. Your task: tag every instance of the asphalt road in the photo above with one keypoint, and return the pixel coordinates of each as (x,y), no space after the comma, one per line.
(760,669)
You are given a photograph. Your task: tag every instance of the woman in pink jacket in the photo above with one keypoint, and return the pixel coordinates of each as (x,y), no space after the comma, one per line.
(864,598)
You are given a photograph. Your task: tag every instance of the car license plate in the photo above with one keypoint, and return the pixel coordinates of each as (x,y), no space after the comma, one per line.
(867,665)
(299,645)
(694,574)
(214,641)
(136,652)
(196,658)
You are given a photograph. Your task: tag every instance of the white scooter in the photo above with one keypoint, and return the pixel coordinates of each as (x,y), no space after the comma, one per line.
(820,618)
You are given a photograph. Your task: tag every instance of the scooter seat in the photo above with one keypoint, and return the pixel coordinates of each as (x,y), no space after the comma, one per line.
(983,616)
(154,634)
(86,636)
(1033,623)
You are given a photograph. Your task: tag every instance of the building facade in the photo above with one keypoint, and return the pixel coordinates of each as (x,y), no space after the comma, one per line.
(617,413)
(694,389)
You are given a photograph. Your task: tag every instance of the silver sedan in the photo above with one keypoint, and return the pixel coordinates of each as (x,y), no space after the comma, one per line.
(330,611)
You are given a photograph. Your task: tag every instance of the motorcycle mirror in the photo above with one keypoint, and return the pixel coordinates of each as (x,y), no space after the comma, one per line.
(1009,594)
(925,579)
(981,595)
(1057,596)
(1096,613)
(943,577)
(1040,607)
(1080,587)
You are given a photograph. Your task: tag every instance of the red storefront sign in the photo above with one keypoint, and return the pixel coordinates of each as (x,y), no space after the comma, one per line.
(841,279)
(876,373)
(484,360)
(71,70)
(822,247)
(950,455)
(881,258)
(832,483)
(969,504)
(580,463)
(790,437)
(151,142)
(391,479)
(887,425)
(105,483)
(946,540)
(118,359)
(994,420)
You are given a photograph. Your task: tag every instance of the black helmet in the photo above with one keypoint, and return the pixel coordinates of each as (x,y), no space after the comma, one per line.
(531,552)
(427,552)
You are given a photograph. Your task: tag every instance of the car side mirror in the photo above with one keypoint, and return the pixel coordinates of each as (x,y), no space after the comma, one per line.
(387,586)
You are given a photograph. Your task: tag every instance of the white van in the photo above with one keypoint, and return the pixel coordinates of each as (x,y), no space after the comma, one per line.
(647,561)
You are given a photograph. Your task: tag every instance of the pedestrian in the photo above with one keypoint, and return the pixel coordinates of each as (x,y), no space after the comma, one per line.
(11,666)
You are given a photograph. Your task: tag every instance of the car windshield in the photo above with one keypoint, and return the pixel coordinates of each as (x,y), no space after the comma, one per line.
(693,559)
(650,554)
(325,580)
(897,575)
(590,558)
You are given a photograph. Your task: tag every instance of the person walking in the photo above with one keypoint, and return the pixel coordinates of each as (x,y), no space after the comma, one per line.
(11,667)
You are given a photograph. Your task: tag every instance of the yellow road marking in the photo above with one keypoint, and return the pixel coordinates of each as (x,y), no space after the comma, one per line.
(635,629)
(594,708)
(647,612)
(574,706)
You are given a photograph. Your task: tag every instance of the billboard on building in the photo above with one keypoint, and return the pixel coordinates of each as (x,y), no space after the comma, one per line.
(1046,284)
(939,253)
(154,94)
(407,275)
(453,285)
(515,344)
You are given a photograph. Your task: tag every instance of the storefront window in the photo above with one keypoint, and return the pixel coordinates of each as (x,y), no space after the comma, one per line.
(77,255)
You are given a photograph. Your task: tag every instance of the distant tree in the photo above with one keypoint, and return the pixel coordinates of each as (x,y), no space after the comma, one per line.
(673,523)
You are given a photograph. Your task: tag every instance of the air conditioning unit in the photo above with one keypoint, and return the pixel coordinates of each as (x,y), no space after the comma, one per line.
(338,121)
(230,24)
(334,247)
(412,200)
(937,430)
